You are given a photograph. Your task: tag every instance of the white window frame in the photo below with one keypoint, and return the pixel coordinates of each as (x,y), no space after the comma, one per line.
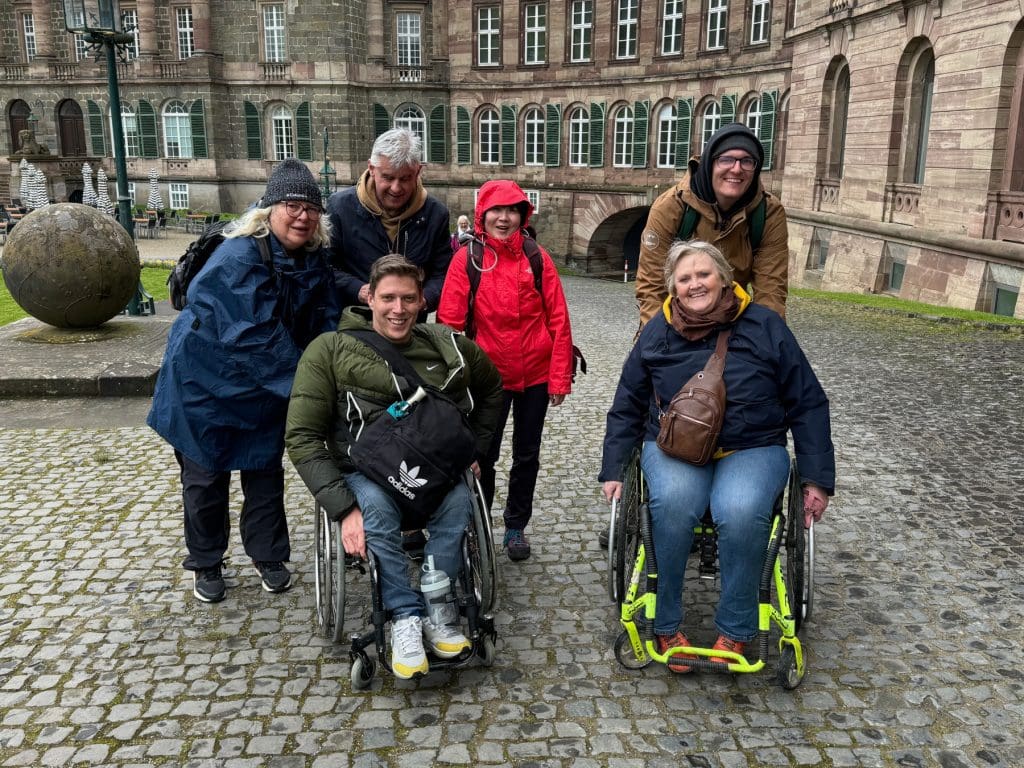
(535,33)
(129,129)
(130,24)
(760,21)
(490,137)
(533,197)
(185,31)
(177,130)
(626,29)
(752,117)
(581,45)
(666,151)
(28,28)
(579,138)
(274,50)
(177,196)
(533,137)
(717,27)
(488,36)
(672,27)
(411,117)
(710,121)
(282,132)
(131,191)
(409,46)
(622,145)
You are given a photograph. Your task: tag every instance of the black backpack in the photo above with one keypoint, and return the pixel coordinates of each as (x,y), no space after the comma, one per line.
(195,257)
(474,264)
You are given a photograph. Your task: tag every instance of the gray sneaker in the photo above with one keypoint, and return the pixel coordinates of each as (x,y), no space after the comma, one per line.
(208,584)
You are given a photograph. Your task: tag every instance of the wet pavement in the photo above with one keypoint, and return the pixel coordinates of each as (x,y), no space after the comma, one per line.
(914,647)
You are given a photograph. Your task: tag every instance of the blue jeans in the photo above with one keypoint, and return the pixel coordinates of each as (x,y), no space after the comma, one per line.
(741,490)
(382,524)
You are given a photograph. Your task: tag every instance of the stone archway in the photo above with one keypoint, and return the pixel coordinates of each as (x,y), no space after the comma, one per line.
(606,231)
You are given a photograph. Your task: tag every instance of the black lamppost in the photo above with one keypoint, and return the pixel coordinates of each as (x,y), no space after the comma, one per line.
(327,174)
(100,24)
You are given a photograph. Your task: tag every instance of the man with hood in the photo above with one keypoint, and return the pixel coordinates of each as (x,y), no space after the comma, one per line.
(724,189)
(389,211)
(525,332)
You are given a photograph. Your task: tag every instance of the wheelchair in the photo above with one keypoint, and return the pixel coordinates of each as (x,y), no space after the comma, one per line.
(785,595)
(476,594)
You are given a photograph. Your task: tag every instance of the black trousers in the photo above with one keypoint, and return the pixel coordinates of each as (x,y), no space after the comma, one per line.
(528,408)
(262,523)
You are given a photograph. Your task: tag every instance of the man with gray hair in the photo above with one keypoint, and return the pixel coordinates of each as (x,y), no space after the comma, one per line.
(389,211)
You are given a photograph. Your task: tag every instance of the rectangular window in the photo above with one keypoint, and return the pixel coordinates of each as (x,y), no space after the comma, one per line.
(626,29)
(488,36)
(130,129)
(581,46)
(81,48)
(533,196)
(535,25)
(896,277)
(490,135)
(283,130)
(672,28)
(1005,300)
(179,196)
(28,25)
(533,142)
(760,21)
(717,17)
(130,24)
(186,34)
(408,47)
(273,33)
(667,138)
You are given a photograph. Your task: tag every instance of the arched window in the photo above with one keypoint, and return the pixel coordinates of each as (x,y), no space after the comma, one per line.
(490,136)
(752,116)
(667,137)
(711,121)
(918,116)
(579,137)
(71,129)
(412,118)
(130,129)
(17,116)
(622,144)
(533,137)
(282,129)
(837,90)
(177,130)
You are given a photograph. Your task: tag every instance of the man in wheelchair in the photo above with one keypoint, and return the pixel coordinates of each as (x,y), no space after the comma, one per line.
(345,382)
(770,390)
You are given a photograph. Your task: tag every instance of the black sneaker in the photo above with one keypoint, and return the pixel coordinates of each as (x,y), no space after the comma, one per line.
(208,584)
(276,577)
(516,544)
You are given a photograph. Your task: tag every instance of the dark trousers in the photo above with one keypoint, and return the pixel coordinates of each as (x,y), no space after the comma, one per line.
(528,408)
(262,523)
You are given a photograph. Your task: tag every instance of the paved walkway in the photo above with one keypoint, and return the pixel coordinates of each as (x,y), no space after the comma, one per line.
(915,651)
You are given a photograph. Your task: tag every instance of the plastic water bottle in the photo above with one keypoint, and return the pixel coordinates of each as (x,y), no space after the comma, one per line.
(436,588)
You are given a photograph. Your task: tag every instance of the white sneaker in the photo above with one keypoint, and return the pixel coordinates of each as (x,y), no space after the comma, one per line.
(408,658)
(445,640)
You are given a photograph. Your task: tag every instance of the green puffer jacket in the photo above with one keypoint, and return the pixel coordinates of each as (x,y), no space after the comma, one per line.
(341,384)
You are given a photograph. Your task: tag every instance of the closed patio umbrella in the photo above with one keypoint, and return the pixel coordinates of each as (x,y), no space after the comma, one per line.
(23,189)
(88,190)
(103,201)
(155,201)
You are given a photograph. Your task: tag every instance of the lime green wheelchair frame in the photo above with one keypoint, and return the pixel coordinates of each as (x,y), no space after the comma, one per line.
(787,574)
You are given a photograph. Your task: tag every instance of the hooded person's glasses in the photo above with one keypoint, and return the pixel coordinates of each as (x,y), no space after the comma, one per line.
(747,163)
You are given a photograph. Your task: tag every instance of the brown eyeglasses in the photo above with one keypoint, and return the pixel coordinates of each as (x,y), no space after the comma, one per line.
(297,209)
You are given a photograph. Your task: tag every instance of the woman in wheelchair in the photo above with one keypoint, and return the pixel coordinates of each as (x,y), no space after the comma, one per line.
(770,390)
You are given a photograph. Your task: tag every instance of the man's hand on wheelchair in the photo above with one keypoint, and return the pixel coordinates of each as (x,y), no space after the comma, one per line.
(353,538)
(815,503)
(612,489)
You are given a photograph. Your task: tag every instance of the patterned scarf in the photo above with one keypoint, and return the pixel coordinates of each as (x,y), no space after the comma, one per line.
(693,327)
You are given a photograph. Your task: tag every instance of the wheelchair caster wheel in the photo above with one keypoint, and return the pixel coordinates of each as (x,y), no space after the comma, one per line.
(624,653)
(788,675)
(487,652)
(362,672)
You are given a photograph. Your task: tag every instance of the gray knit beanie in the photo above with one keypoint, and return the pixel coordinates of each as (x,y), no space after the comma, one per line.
(292,180)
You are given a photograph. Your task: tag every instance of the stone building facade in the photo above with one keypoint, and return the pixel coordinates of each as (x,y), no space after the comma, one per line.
(890,126)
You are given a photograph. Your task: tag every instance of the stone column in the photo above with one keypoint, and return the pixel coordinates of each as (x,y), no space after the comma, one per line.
(41,17)
(147,29)
(201,25)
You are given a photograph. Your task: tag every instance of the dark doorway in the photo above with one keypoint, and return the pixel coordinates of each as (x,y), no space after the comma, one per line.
(75,196)
(18,119)
(71,129)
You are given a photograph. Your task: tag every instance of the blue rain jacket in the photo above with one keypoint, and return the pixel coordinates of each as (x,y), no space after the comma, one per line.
(222,392)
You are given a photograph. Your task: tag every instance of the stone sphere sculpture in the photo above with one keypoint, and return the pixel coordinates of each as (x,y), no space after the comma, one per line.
(70,265)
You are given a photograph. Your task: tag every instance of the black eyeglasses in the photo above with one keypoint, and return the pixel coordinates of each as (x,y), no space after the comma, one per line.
(747,163)
(297,209)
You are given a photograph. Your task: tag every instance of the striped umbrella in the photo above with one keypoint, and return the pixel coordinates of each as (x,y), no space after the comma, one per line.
(155,201)
(39,189)
(24,188)
(103,201)
(88,190)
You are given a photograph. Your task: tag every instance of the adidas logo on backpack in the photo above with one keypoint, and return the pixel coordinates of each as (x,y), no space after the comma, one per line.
(410,479)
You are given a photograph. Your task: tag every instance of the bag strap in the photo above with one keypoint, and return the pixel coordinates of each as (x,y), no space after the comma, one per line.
(397,361)
(716,363)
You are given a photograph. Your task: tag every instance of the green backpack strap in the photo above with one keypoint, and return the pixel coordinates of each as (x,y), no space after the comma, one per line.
(755,228)
(688,225)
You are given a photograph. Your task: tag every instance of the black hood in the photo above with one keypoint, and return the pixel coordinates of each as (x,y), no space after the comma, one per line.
(736,134)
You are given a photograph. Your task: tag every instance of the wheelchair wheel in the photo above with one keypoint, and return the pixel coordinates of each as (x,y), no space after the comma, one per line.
(482,559)
(789,676)
(487,652)
(624,653)
(799,554)
(330,577)
(362,672)
(624,531)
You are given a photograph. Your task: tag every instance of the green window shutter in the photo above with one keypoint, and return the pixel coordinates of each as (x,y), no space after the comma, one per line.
(684,122)
(304,132)
(508,134)
(641,118)
(147,130)
(381,120)
(769,99)
(728,110)
(197,118)
(438,149)
(463,136)
(553,135)
(597,135)
(253,131)
(96,143)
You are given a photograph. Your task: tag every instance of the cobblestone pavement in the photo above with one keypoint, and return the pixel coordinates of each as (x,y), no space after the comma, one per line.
(914,648)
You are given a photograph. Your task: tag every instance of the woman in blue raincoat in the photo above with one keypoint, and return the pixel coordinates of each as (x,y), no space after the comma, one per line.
(222,393)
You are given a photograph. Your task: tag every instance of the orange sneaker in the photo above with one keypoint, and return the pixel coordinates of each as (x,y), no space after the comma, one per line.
(667,642)
(723,643)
